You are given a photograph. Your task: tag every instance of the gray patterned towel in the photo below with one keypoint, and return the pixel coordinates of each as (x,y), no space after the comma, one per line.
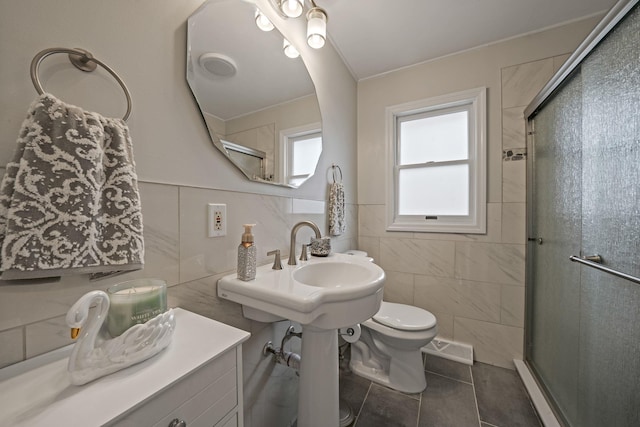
(69,201)
(337,224)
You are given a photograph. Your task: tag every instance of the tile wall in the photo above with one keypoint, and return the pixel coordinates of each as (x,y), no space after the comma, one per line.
(178,251)
(474,284)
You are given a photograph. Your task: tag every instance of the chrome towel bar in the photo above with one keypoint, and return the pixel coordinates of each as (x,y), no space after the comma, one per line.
(603,268)
(335,167)
(82,60)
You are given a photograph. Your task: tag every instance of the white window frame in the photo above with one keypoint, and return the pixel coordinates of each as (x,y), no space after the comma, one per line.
(287,137)
(476,221)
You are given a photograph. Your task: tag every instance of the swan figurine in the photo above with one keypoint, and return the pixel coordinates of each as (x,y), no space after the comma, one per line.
(96,354)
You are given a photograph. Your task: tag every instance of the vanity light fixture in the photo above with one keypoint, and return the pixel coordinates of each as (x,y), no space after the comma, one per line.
(292,8)
(263,22)
(316,26)
(316,22)
(289,50)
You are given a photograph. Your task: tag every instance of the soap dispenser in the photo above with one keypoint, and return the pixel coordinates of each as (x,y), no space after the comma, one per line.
(247,255)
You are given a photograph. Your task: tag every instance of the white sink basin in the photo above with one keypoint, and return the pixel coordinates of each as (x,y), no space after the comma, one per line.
(323,295)
(332,274)
(327,293)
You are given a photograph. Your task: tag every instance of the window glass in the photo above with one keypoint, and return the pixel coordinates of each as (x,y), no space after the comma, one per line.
(305,153)
(442,190)
(434,138)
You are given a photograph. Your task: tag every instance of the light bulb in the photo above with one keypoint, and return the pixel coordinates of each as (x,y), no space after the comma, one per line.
(291,8)
(263,22)
(316,27)
(289,50)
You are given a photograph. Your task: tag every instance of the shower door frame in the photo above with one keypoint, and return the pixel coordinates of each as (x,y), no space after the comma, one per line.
(604,27)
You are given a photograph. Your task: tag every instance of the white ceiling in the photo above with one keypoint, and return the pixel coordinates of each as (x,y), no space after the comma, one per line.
(373,37)
(376,36)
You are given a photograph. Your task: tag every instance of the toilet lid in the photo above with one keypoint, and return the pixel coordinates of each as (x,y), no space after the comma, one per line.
(404,317)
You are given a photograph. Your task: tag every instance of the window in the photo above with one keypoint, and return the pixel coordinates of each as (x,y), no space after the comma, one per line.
(437,164)
(302,148)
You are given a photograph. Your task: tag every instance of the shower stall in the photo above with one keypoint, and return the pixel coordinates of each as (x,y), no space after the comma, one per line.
(582,333)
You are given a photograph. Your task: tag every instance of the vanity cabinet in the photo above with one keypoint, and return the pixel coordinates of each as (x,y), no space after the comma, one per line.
(195,382)
(205,398)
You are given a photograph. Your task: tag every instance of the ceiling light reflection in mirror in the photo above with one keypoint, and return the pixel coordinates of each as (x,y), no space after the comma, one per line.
(259,105)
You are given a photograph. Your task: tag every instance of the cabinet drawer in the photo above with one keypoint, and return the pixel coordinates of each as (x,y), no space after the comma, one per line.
(231,421)
(209,406)
(205,386)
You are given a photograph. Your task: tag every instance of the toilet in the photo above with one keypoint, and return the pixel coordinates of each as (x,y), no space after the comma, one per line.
(389,349)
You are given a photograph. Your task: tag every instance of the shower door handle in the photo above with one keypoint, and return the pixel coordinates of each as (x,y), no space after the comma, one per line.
(536,239)
(598,266)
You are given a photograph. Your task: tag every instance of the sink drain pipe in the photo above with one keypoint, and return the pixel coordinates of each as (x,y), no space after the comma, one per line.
(287,358)
(293,360)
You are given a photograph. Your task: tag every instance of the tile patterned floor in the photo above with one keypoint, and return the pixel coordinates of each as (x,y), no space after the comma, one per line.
(457,395)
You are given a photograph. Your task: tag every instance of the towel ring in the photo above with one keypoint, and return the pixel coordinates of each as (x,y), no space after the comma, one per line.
(82,60)
(334,167)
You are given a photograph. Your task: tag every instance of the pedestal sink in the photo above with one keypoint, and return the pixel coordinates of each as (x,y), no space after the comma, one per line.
(322,294)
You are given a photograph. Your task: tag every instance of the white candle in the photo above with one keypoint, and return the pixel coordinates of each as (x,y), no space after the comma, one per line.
(133,302)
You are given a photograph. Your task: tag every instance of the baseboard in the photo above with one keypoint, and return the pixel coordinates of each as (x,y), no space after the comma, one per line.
(452,350)
(545,413)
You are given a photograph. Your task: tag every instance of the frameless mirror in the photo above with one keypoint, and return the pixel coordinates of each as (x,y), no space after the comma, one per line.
(259,105)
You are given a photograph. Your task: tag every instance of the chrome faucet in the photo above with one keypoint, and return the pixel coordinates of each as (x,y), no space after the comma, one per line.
(294,231)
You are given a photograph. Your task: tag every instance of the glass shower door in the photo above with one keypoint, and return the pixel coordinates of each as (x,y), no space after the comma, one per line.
(583,324)
(609,373)
(553,303)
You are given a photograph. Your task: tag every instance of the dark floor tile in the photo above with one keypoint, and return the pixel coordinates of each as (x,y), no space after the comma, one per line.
(448,368)
(447,403)
(502,399)
(387,408)
(353,389)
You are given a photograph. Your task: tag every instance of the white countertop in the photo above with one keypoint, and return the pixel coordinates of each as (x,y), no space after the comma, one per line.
(37,392)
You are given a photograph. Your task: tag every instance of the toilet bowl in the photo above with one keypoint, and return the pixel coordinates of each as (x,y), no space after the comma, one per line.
(388,351)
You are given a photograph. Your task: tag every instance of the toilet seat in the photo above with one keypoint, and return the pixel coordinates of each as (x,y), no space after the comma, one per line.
(404,317)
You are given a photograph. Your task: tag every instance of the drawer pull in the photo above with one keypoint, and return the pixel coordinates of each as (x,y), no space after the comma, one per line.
(177,423)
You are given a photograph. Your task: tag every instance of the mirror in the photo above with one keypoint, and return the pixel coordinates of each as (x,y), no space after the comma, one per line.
(259,105)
